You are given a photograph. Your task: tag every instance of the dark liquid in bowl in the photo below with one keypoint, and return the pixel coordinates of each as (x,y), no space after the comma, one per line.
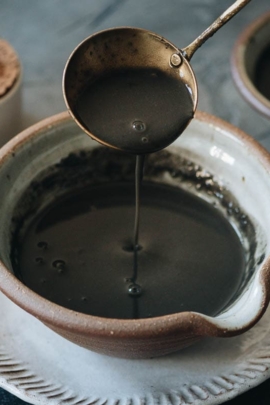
(138,110)
(262,73)
(78,253)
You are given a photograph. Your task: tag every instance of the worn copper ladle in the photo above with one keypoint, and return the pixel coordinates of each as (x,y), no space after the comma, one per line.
(126,50)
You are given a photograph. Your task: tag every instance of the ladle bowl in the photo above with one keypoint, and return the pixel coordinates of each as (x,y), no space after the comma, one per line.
(127,49)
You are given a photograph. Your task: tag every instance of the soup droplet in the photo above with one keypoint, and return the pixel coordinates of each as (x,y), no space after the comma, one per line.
(42,245)
(130,248)
(139,126)
(59,265)
(134,290)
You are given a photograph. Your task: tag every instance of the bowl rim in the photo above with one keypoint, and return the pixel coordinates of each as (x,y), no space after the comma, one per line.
(238,68)
(71,321)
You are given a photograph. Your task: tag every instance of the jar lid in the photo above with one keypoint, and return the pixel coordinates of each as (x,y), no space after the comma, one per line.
(9,67)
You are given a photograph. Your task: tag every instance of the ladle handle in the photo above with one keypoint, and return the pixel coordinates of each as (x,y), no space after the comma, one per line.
(189,51)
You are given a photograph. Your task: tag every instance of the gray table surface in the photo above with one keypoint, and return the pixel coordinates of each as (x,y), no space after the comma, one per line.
(44,33)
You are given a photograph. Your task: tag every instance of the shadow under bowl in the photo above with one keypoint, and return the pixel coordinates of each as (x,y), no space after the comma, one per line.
(250,64)
(238,164)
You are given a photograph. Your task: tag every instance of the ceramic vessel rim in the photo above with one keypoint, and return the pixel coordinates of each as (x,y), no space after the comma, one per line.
(72,321)
(238,67)
(13,89)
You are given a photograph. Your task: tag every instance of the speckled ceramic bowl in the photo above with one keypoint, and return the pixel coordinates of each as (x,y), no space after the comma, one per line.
(246,53)
(236,165)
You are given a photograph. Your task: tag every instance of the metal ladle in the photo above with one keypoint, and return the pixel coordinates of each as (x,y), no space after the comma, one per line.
(128,49)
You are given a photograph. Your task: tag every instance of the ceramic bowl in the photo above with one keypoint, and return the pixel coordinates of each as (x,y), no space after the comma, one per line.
(246,53)
(237,166)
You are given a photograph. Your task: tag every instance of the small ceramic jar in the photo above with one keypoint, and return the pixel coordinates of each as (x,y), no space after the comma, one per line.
(246,56)
(10,92)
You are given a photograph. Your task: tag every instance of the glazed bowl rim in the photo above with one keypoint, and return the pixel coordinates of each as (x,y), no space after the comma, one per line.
(238,67)
(75,322)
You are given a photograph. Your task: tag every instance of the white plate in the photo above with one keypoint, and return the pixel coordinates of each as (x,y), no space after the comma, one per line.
(42,368)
